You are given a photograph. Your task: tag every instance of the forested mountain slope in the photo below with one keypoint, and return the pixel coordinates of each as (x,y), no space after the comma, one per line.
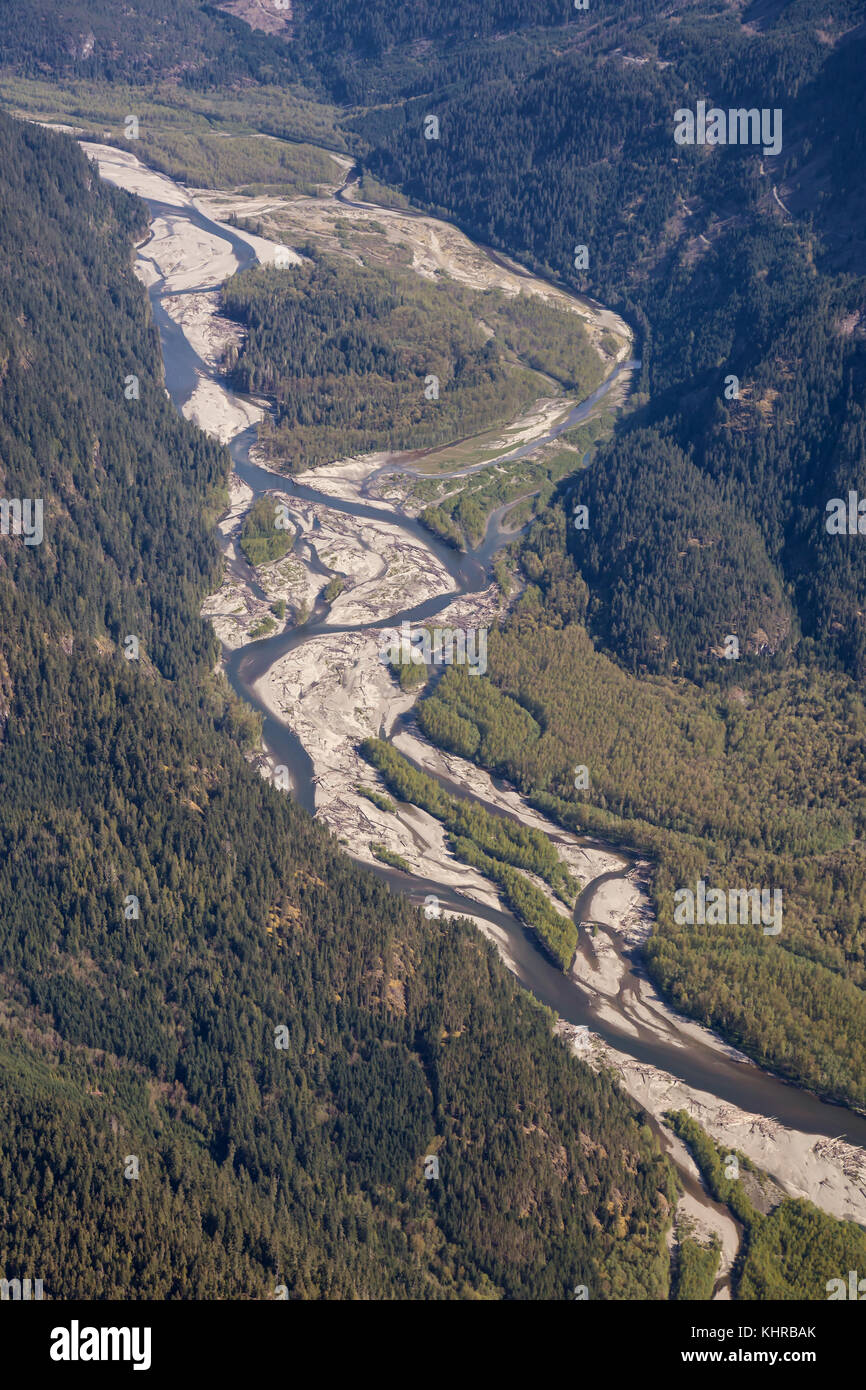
(165,912)
(707,519)
(723,529)
(191,42)
(708,508)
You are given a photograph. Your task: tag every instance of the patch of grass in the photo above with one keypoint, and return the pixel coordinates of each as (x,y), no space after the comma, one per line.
(370,190)
(261,540)
(383,802)
(387,856)
(409,675)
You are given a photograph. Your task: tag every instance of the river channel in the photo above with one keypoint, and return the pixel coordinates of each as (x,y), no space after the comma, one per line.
(698,1064)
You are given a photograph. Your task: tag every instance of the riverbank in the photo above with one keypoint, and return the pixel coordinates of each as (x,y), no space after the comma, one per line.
(332,690)
(826,1170)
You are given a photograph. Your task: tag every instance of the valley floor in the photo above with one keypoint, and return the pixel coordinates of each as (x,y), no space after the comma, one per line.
(333,690)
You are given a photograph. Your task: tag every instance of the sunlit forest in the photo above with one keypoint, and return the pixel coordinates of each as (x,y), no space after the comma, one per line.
(360,359)
(742,761)
(194,976)
(496,845)
(192,972)
(790,1249)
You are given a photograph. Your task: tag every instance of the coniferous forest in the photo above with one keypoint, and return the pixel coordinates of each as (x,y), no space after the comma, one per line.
(359,360)
(194,977)
(226,1051)
(708,508)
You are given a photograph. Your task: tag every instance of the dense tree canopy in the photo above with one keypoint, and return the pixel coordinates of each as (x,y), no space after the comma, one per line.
(193,975)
